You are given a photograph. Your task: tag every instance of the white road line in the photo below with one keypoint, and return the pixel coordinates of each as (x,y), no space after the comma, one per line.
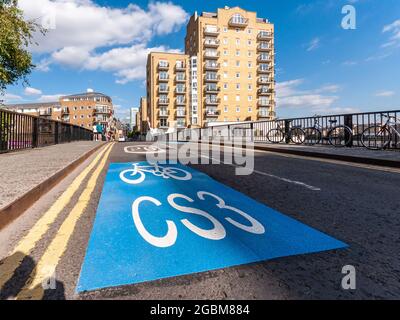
(299,183)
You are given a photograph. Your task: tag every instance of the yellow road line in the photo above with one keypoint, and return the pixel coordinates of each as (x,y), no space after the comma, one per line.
(45,267)
(28,242)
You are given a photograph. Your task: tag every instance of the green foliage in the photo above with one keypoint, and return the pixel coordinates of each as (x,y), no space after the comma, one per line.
(16,35)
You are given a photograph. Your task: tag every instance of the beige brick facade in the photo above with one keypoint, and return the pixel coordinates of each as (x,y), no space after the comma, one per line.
(229,59)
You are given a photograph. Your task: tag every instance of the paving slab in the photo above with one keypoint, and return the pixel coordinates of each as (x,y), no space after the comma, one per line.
(23,170)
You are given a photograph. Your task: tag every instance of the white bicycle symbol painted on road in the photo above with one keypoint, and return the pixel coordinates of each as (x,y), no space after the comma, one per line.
(137,174)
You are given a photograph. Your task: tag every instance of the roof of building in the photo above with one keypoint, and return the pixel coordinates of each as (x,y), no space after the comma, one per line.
(32,105)
(86,94)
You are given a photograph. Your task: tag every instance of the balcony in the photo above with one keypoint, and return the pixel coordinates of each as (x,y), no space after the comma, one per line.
(163,102)
(180,79)
(265,35)
(180,114)
(180,67)
(211,113)
(265,103)
(211,31)
(211,43)
(211,54)
(266,114)
(102,111)
(263,46)
(180,90)
(65,111)
(211,66)
(264,58)
(45,113)
(238,22)
(210,89)
(265,91)
(214,101)
(163,66)
(163,113)
(265,69)
(163,89)
(163,78)
(179,102)
(213,78)
(263,80)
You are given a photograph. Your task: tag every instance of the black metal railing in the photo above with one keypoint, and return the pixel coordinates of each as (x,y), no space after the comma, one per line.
(21,131)
(257,131)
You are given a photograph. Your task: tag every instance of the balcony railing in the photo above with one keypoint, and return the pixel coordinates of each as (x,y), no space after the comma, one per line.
(265,35)
(211,54)
(179,102)
(163,89)
(213,78)
(238,22)
(210,31)
(264,47)
(180,79)
(211,66)
(163,101)
(102,110)
(266,114)
(262,80)
(211,113)
(212,43)
(163,113)
(265,91)
(209,89)
(264,58)
(180,67)
(163,78)
(265,103)
(163,66)
(265,69)
(180,113)
(65,111)
(212,101)
(180,90)
(45,113)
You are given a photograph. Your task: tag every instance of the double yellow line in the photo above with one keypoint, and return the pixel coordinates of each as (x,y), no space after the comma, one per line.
(33,288)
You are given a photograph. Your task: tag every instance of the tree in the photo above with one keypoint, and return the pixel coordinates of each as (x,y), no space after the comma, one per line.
(16,35)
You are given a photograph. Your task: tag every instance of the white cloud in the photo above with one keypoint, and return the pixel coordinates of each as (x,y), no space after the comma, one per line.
(385,93)
(394,30)
(10,98)
(290,96)
(314,44)
(29,91)
(49,97)
(86,35)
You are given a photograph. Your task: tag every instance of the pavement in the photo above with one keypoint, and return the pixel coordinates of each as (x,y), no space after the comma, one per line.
(23,170)
(354,203)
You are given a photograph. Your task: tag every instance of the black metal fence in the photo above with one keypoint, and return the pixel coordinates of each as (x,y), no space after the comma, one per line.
(257,131)
(21,131)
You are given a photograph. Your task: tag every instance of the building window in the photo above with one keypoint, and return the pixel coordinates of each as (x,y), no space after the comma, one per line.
(249,30)
(225,74)
(250,98)
(237,98)
(225,29)
(237,86)
(237,74)
(249,109)
(237,41)
(249,64)
(225,85)
(249,76)
(237,109)
(225,41)
(225,63)
(225,52)
(249,42)
(225,108)
(237,63)
(237,53)
(225,98)
(250,87)
(250,53)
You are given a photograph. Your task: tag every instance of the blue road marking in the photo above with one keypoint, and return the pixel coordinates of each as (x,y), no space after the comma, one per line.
(152,224)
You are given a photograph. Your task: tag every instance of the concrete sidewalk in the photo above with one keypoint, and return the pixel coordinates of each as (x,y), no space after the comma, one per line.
(22,171)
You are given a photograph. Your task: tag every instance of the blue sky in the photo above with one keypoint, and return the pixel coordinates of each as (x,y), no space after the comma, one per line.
(321,67)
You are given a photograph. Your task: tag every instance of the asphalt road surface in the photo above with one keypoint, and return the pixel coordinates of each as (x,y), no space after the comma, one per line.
(356,204)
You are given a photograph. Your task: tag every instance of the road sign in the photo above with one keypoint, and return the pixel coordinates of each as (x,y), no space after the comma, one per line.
(155,222)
